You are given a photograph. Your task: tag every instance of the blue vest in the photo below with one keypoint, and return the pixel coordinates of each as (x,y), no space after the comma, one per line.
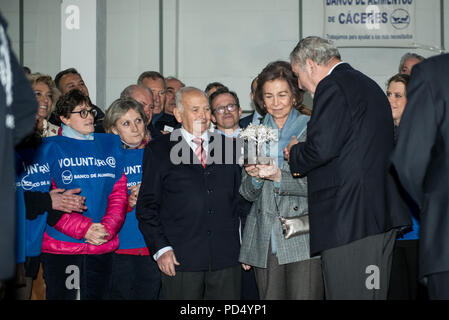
(92,165)
(130,236)
(31,175)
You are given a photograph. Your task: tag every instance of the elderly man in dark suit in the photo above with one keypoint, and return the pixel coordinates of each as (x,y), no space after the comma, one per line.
(188,205)
(346,160)
(421,161)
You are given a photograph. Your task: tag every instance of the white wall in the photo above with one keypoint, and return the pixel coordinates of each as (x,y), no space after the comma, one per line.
(132,43)
(204,40)
(214,40)
(42,33)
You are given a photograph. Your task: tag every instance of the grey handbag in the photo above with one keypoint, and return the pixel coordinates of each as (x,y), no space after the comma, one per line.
(295,226)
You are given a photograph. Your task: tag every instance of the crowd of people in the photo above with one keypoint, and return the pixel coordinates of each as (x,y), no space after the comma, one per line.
(149,198)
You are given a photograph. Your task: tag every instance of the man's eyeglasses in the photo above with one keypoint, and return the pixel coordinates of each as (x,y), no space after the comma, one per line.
(230,107)
(84,113)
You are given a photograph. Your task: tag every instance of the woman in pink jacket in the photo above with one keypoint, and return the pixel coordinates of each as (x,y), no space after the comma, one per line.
(77,250)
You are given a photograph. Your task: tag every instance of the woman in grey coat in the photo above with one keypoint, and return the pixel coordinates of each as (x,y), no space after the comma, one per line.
(283,267)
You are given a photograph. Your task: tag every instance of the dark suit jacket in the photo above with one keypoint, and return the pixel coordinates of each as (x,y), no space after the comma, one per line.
(421,159)
(20,111)
(346,160)
(167,120)
(154,133)
(191,208)
(245,121)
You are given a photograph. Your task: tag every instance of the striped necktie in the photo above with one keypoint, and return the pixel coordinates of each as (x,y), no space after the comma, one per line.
(199,151)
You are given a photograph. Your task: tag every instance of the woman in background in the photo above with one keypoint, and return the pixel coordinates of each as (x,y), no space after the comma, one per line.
(135,275)
(404,284)
(46,94)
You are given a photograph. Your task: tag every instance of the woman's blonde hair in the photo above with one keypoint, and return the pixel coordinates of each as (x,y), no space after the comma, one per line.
(35,78)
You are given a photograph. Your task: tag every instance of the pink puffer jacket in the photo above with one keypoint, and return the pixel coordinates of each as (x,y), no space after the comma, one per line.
(76,225)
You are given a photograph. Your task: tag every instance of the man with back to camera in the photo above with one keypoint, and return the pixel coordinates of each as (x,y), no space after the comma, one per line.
(354,204)
(18,106)
(188,206)
(420,158)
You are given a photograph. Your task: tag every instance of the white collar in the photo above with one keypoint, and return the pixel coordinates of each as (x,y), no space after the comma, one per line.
(332,69)
(189,137)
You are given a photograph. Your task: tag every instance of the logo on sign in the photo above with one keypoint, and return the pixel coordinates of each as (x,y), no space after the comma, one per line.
(67,177)
(400,19)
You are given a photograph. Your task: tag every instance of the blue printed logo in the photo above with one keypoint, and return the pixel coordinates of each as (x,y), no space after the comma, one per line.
(67,177)
(400,19)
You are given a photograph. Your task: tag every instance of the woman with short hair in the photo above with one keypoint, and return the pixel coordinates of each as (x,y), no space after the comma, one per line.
(77,250)
(135,275)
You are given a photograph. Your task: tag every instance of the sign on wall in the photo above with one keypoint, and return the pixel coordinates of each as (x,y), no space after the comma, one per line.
(370,23)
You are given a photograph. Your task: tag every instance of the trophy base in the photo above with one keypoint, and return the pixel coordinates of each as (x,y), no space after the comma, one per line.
(258,160)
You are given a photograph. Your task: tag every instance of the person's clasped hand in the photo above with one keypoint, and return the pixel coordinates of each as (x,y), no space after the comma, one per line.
(269,171)
(96,234)
(134,193)
(252,170)
(67,201)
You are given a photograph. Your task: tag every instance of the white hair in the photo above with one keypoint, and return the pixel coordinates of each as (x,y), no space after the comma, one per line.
(180,95)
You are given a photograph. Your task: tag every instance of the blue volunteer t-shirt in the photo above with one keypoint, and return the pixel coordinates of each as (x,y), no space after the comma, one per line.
(92,165)
(130,236)
(32,174)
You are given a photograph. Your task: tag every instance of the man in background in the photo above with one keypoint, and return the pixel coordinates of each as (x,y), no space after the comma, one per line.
(408,61)
(167,122)
(154,81)
(69,79)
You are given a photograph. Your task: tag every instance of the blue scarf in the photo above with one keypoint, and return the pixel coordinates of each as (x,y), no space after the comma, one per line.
(72,133)
(294,126)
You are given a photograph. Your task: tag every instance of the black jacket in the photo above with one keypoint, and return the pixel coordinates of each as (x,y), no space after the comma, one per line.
(346,161)
(18,107)
(422,161)
(191,208)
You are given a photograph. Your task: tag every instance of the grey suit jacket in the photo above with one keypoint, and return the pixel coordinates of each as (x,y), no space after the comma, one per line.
(292,201)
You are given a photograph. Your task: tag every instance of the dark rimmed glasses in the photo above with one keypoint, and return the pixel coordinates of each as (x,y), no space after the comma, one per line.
(84,113)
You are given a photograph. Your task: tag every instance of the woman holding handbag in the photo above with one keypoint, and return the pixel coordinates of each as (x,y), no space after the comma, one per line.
(283,266)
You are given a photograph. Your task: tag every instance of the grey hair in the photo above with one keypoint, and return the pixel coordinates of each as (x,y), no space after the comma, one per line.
(129,90)
(316,49)
(118,109)
(180,95)
(407,56)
